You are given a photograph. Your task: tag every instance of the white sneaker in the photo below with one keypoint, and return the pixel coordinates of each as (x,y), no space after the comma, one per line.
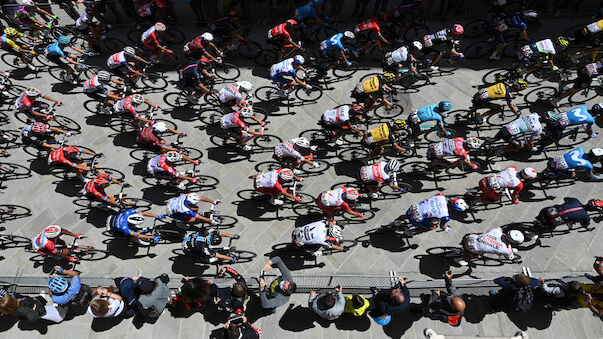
(182,185)
(555,102)
(338,142)
(494,56)
(32,67)
(460,261)
(433,68)
(297,172)
(317,253)
(276,202)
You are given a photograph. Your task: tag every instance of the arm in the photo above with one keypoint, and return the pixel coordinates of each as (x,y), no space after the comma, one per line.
(281,266)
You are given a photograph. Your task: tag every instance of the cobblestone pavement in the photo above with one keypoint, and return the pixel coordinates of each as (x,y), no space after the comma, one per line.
(54,200)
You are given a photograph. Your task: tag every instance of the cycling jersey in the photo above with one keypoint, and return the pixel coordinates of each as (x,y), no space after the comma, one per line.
(83,21)
(29,136)
(427,113)
(507,178)
(43,245)
(119,222)
(26,103)
(283,68)
(6,42)
(333,200)
(307,11)
(369,86)
(400,55)
(117,60)
(422,213)
(497,91)
(96,186)
(58,156)
(197,244)
(333,42)
(279,31)
(125,105)
(578,115)
(438,38)
(592,69)
(268,182)
(518,21)
(571,160)
(595,27)
(374,173)
(311,234)
(71,293)
(233,120)
(147,136)
(145,10)
(338,116)
(450,147)
(287,150)
(177,208)
(196,45)
(230,93)
(368,25)
(56,50)
(160,164)
(381,135)
(530,123)
(489,242)
(571,211)
(542,48)
(149,36)
(23,17)
(94,85)
(190,74)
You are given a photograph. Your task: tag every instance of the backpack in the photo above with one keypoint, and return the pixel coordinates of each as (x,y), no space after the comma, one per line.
(523,299)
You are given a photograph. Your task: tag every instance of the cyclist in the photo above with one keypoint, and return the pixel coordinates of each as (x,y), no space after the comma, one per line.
(225,29)
(127,224)
(591,37)
(46,242)
(232,95)
(162,164)
(402,58)
(235,126)
(95,188)
(513,130)
(310,12)
(502,25)
(40,134)
(434,112)
(373,90)
(538,54)
(484,97)
(289,153)
(192,78)
(494,241)
(95,88)
(338,121)
(384,136)
(374,176)
(458,148)
(366,31)
(55,52)
(91,30)
(442,42)
(317,235)
(575,160)
(333,201)
(203,243)
(184,209)
(150,42)
(27,103)
(280,36)
(431,213)
(586,74)
(493,185)
(280,72)
(270,183)
(148,135)
(25,16)
(556,123)
(122,64)
(8,42)
(569,212)
(67,156)
(128,104)
(197,48)
(333,49)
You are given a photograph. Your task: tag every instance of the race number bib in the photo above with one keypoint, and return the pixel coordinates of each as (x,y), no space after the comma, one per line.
(427,41)
(591,70)
(526,51)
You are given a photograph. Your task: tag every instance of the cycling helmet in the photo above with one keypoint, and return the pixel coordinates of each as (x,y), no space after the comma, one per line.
(417,45)
(10,31)
(245,86)
(137,99)
(445,105)
(129,51)
(530,14)
(28,3)
(32,92)
(104,76)
(214,238)
(597,107)
(292,22)
(552,116)
(52,231)
(39,127)
(173,156)
(520,84)
(349,35)
(160,127)
(393,165)
(596,152)
(299,59)
(399,124)
(193,198)
(389,77)
(528,173)
(516,237)
(58,285)
(135,219)
(64,40)
(233,13)
(335,232)
(286,174)
(358,109)
(246,112)
(207,36)
(351,194)
(159,27)
(301,142)
(494,184)
(563,41)
(459,204)
(473,143)
(457,29)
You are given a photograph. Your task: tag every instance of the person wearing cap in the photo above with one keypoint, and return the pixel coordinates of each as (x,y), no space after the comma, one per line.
(447,307)
(388,302)
(329,306)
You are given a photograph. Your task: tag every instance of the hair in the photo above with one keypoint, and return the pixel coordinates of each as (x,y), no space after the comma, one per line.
(574,287)
(399,298)
(8,304)
(357,301)
(233,331)
(292,288)
(99,307)
(522,280)
(239,290)
(195,289)
(329,300)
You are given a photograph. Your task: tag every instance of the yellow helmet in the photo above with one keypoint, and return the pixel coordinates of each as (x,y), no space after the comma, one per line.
(10,31)
(389,77)
(521,84)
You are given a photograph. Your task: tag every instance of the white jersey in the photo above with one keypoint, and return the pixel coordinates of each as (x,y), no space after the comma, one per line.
(336,116)
(287,150)
(266,179)
(116,60)
(177,205)
(147,33)
(400,55)
(153,165)
(82,21)
(332,198)
(530,123)
(489,242)
(507,178)
(39,241)
(229,93)
(434,207)
(92,84)
(374,172)
(311,234)
(227,121)
(285,66)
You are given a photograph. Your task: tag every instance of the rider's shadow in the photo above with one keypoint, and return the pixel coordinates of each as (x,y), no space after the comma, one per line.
(389,240)
(227,154)
(126,139)
(433,265)
(188,266)
(256,209)
(69,188)
(294,258)
(65,88)
(159,195)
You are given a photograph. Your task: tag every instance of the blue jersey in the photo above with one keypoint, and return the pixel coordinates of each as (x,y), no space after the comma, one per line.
(333,42)
(177,209)
(308,11)
(577,116)
(70,294)
(429,113)
(518,21)
(56,49)
(119,222)
(571,160)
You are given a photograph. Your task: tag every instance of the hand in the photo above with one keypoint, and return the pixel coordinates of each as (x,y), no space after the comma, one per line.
(68,134)
(83,66)
(59,103)
(267,266)
(348,64)
(100,155)
(156,238)
(338,288)
(236,236)
(308,87)
(90,54)
(360,215)
(262,123)
(312,293)
(437,292)
(80,236)
(448,274)
(298,199)
(73,259)
(182,134)
(58,269)
(222,271)
(217,201)
(197,162)
(316,165)
(401,280)
(155,106)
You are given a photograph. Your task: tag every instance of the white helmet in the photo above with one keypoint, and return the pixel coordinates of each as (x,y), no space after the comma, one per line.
(393,165)
(417,45)
(530,14)
(207,36)
(136,219)
(301,142)
(528,173)
(246,112)
(129,51)
(596,152)
(516,237)
(299,59)
(245,86)
(52,231)
(335,232)
(137,99)
(160,127)
(103,76)
(193,198)
(173,156)
(349,35)
(159,27)
(459,204)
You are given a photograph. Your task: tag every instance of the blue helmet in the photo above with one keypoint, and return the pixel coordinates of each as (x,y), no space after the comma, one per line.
(445,105)
(58,285)
(64,40)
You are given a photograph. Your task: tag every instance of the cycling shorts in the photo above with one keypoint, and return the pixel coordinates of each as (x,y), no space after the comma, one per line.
(279,79)
(488,192)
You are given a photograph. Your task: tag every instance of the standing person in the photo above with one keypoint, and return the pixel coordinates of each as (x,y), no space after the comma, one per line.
(328,306)
(446,307)
(280,290)
(517,293)
(145,297)
(389,302)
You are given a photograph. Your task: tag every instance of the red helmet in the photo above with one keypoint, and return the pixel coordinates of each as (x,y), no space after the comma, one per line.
(292,22)
(457,29)
(39,127)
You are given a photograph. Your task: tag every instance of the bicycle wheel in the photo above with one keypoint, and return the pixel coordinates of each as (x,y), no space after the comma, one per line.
(311,169)
(387,190)
(265,58)
(351,154)
(155,80)
(478,50)
(226,221)
(11,212)
(495,76)
(540,94)
(13,170)
(345,71)
(91,71)
(309,95)
(476,28)
(242,256)
(316,136)
(585,95)
(267,166)
(192,153)
(176,100)
(65,123)
(203,182)
(176,36)
(434,135)
(89,253)
(249,49)
(267,141)
(12,60)
(416,33)
(368,215)
(113,173)
(227,71)
(267,93)
(388,113)
(137,203)
(13,241)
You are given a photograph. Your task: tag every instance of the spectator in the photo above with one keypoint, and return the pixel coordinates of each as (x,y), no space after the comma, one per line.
(145,297)
(30,309)
(231,298)
(356,305)
(389,302)
(239,328)
(280,290)
(517,293)
(64,292)
(559,294)
(598,266)
(449,307)
(194,292)
(105,303)
(328,306)
(591,297)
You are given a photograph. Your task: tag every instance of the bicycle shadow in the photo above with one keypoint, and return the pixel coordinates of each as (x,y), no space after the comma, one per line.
(386,238)
(188,265)
(433,264)
(294,258)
